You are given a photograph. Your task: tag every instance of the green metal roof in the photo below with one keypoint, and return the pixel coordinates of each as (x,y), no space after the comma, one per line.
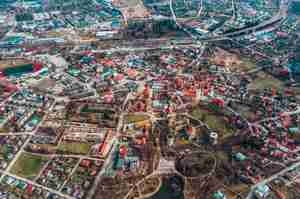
(219,195)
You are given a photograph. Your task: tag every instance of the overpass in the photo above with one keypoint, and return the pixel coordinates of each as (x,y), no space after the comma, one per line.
(281,15)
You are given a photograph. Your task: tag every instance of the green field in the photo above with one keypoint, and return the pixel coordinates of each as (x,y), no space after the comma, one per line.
(135,118)
(28,165)
(74,147)
(248,64)
(213,121)
(264,81)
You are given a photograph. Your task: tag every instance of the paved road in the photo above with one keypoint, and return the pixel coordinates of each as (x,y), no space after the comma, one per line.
(107,160)
(273,177)
(71,174)
(141,48)
(16,157)
(36,184)
(280,15)
(290,113)
(66,156)
(25,143)
(18,154)
(16,134)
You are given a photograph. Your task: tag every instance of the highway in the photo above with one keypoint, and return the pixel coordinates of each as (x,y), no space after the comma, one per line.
(282,14)
(200,9)
(272,20)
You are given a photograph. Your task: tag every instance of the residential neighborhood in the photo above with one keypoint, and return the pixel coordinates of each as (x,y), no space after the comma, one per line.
(149,99)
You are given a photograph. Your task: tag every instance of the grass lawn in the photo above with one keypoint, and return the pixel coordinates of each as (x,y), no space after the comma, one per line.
(130,3)
(28,165)
(248,64)
(74,147)
(3,130)
(265,81)
(245,111)
(9,63)
(135,118)
(213,121)
(239,188)
(244,65)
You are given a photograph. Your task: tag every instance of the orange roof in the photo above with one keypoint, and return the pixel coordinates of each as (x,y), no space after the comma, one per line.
(131,72)
(107,62)
(119,77)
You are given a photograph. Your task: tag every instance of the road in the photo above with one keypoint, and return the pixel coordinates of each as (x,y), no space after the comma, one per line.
(16,134)
(137,49)
(200,9)
(66,156)
(290,113)
(36,184)
(16,157)
(178,24)
(108,159)
(273,177)
(19,153)
(71,174)
(25,144)
(173,14)
(282,13)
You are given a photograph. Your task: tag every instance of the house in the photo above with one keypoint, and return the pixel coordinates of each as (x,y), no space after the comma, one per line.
(106,144)
(262,192)
(240,156)
(219,195)
(85,163)
(106,34)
